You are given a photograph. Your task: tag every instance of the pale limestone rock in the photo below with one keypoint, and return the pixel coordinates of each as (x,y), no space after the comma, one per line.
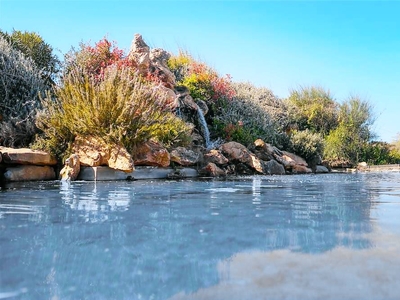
(184,157)
(151,153)
(71,168)
(29,173)
(25,156)
(94,152)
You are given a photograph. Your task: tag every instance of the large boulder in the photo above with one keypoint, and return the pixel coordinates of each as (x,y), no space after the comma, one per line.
(212,170)
(216,157)
(29,173)
(151,153)
(26,156)
(184,157)
(264,151)
(272,167)
(95,152)
(239,154)
(71,169)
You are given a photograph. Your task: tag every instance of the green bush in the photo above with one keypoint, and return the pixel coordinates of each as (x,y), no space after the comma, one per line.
(313,108)
(20,85)
(350,140)
(34,47)
(253,113)
(122,108)
(307,144)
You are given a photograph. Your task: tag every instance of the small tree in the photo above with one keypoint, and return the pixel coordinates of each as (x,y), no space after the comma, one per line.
(313,108)
(350,139)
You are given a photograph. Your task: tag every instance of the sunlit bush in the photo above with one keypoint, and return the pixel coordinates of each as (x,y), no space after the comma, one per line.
(307,144)
(253,113)
(20,85)
(121,108)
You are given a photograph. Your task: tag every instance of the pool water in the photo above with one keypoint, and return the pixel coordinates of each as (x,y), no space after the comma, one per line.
(331,236)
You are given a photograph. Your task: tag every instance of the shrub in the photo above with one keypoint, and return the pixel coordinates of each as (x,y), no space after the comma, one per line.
(94,60)
(313,108)
(202,81)
(307,144)
(349,141)
(33,46)
(253,113)
(121,108)
(20,85)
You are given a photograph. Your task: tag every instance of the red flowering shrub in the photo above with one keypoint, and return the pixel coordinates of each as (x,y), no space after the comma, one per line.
(94,60)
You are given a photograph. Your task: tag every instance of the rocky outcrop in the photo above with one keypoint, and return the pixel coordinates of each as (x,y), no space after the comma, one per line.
(71,169)
(237,153)
(184,157)
(26,156)
(151,153)
(29,173)
(94,152)
(151,63)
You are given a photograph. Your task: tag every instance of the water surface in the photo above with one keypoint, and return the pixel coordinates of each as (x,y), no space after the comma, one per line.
(333,236)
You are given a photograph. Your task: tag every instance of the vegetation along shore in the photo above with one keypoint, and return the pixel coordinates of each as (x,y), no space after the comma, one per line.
(102,107)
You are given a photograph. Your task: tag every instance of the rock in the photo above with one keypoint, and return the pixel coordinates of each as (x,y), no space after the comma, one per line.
(184,157)
(293,159)
(321,169)
(158,67)
(140,54)
(299,169)
(94,152)
(272,167)
(103,173)
(71,168)
(213,170)
(26,156)
(120,159)
(236,152)
(29,173)
(151,153)
(264,151)
(171,99)
(216,157)
(202,105)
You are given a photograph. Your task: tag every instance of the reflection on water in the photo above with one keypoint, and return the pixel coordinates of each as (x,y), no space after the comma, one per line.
(280,237)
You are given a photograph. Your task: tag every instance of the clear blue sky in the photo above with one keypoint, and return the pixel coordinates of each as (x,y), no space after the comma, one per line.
(349,48)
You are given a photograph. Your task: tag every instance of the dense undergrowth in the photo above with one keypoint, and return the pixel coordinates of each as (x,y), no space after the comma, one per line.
(100,92)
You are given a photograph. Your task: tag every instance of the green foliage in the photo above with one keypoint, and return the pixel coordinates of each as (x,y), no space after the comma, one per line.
(380,153)
(121,109)
(313,108)
(202,81)
(33,46)
(253,113)
(350,139)
(20,85)
(307,144)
